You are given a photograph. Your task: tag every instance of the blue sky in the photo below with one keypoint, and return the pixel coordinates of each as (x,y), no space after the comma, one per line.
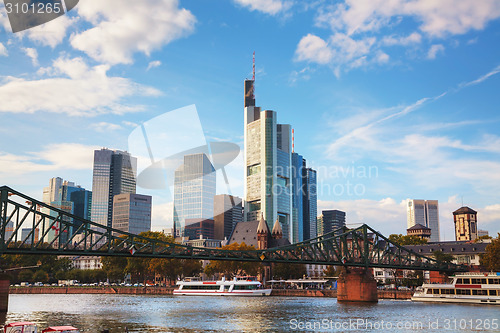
(389,100)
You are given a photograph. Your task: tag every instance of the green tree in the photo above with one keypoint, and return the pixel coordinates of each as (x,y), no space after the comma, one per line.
(114,267)
(233,268)
(407,239)
(491,258)
(41,276)
(443,257)
(26,275)
(288,271)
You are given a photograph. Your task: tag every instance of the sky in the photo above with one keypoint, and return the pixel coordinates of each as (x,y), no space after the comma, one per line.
(389,100)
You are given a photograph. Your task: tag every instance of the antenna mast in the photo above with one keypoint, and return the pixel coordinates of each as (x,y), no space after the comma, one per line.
(253,67)
(293,140)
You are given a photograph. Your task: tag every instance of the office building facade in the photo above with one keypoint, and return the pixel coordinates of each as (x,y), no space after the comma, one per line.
(194,191)
(426,213)
(228,211)
(267,156)
(132,213)
(113,173)
(332,220)
(71,198)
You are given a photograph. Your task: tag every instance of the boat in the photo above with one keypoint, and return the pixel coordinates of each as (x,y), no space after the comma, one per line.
(29,327)
(20,327)
(478,288)
(239,286)
(61,329)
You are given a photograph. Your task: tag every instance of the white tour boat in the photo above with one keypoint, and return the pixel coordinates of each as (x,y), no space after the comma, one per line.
(479,288)
(239,286)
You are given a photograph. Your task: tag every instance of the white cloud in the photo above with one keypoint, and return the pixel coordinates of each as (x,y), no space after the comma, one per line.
(162,215)
(122,28)
(413,38)
(55,157)
(271,7)
(78,90)
(434,50)
(357,22)
(32,53)
(153,64)
(105,127)
(3,51)
(389,216)
(313,48)
(51,33)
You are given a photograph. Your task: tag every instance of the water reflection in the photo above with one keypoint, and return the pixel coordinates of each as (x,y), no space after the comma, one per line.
(94,313)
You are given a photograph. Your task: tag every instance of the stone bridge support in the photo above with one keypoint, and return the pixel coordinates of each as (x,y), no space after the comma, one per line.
(4,293)
(356,284)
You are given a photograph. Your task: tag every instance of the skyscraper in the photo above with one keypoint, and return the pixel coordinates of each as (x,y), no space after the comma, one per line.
(312,203)
(426,213)
(304,200)
(194,191)
(228,211)
(332,220)
(267,156)
(132,213)
(71,198)
(113,174)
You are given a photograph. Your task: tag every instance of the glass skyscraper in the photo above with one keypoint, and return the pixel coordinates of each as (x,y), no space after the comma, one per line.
(194,191)
(113,174)
(426,213)
(268,166)
(67,196)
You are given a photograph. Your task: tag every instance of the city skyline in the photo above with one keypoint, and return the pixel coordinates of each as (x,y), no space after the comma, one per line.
(393,105)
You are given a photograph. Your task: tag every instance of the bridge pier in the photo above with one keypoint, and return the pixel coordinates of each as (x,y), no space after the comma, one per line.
(356,284)
(4,293)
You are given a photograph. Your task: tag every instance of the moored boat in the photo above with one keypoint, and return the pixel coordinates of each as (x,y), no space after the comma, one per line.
(479,288)
(239,286)
(29,327)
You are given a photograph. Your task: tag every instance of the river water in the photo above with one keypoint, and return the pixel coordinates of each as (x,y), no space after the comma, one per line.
(117,313)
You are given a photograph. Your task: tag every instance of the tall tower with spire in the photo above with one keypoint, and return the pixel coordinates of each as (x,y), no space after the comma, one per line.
(267,154)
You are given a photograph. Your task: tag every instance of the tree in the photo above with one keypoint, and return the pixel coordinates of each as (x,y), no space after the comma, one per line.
(41,276)
(289,271)
(443,257)
(331,271)
(114,267)
(233,268)
(26,275)
(407,239)
(491,258)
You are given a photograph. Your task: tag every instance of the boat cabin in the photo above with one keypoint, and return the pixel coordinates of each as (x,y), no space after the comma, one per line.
(20,327)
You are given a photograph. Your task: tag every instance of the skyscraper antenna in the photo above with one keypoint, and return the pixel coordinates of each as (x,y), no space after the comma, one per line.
(253,67)
(293,140)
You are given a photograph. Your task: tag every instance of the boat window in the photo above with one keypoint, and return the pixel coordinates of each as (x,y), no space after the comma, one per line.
(428,291)
(447,291)
(466,281)
(483,281)
(247,287)
(494,281)
(459,281)
(479,292)
(493,293)
(204,287)
(435,291)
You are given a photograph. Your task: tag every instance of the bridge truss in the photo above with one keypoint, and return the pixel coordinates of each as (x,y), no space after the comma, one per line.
(28,226)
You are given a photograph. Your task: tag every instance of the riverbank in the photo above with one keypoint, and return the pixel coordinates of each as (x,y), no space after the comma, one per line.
(118,290)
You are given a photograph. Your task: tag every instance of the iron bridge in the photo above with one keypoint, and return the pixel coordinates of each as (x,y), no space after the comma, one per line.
(49,230)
